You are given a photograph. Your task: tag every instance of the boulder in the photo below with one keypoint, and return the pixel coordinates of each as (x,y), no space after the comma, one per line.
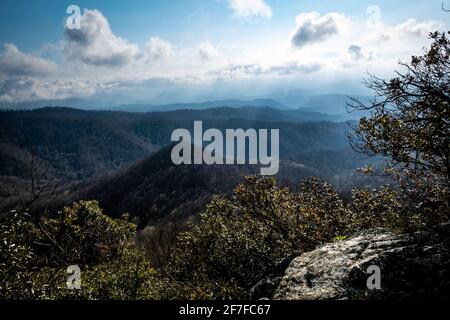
(411,266)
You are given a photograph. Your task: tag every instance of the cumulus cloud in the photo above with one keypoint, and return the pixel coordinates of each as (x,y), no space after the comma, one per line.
(18,89)
(417,28)
(13,62)
(29,77)
(248,8)
(95,44)
(206,51)
(157,49)
(312,27)
(357,53)
(411,28)
(356,56)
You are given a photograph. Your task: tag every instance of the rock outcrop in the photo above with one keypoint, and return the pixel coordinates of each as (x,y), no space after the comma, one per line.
(412,266)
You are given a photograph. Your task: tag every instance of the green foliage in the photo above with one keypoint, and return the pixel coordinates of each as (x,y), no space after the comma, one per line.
(339,238)
(416,207)
(409,124)
(16,254)
(81,234)
(410,120)
(377,207)
(35,256)
(321,212)
(238,241)
(235,243)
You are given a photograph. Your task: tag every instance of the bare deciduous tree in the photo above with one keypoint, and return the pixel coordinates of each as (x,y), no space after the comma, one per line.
(38,184)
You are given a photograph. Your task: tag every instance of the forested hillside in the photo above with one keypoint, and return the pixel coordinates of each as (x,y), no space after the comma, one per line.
(83,144)
(113,156)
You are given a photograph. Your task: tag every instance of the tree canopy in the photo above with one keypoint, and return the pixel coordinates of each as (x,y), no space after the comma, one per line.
(410,115)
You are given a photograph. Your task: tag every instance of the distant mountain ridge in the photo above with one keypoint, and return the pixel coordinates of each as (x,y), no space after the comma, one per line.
(78,103)
(91,104)
(86,143)
(332,104)
(232,103)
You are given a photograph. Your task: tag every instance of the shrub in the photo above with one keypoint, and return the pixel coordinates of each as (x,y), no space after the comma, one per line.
(239,241)
(35,257)
(400,209)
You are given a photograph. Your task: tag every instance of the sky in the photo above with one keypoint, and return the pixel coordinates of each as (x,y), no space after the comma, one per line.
(180,51)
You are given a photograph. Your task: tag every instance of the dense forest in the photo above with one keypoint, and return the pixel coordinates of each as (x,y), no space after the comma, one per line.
(101,154)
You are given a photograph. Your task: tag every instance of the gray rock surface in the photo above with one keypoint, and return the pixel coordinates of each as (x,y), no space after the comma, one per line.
(412,266)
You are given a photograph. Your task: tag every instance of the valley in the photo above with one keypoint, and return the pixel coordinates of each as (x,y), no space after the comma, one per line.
(123,159)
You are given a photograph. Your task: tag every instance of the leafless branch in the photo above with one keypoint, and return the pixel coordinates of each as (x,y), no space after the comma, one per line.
(37,185)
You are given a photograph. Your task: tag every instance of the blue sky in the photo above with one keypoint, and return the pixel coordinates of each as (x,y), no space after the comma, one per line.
(142,48)
(32,23)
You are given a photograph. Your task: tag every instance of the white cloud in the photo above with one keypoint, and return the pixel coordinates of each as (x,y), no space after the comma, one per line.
(17,89)
(294,68)
(347,52)
(206,51)
(13,62)
(357,53)
(251,70)
(248,8)
(313,28)
(411,28)
(416,28)
(157,49)
(95,44)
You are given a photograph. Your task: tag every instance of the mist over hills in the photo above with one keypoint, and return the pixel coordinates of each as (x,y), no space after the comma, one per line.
(331,104)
